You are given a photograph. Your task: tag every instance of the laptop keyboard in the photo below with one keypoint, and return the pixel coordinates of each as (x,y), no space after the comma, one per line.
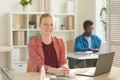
(89,71)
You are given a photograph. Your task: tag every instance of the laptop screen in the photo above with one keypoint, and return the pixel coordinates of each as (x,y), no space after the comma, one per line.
(104,63)
(4,75)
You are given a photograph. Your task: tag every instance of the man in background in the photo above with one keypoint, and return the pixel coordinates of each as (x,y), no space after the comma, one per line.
(87,42)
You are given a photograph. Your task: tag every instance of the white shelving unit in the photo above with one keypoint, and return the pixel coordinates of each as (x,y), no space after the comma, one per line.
(25,25)
(5,49)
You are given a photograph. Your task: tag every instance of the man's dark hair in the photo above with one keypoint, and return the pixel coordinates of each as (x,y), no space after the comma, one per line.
(87,23)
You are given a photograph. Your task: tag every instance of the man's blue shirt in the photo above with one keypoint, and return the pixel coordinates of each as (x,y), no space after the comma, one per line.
(81,44)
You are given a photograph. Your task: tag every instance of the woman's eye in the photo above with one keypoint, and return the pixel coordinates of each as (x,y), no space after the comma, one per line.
(51,25)
(45,24)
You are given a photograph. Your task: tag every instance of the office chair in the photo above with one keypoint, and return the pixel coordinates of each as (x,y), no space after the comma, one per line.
(29,64)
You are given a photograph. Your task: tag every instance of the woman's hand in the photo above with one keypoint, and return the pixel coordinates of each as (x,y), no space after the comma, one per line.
(56,71)
(63,70)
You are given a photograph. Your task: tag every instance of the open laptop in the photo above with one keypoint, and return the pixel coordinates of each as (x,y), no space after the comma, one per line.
(103,65)
(4,74)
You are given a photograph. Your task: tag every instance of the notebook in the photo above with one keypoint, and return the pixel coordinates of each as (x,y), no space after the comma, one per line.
(103,65)
(4,74)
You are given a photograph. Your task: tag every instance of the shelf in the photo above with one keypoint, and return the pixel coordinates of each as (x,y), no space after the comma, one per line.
(20,62)
(55,30)
(34,29)
(19,29)
(24,46)
(60,14)
(64,30)
(5,49)
(27,12)
(63,14)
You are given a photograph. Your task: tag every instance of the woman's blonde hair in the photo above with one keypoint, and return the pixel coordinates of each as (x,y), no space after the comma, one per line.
(46,15)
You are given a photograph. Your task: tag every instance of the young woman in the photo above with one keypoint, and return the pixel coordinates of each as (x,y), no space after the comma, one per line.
(48,50)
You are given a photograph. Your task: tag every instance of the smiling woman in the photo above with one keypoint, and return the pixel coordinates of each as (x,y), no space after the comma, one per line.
(48,50)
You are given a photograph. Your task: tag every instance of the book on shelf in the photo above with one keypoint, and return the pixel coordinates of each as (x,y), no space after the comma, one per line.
(16,21)
(41,5)
(19,38)
(70,22)
(19,21)
(47,6)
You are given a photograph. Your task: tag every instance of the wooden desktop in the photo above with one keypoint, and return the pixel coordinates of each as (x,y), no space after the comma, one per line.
(112,75)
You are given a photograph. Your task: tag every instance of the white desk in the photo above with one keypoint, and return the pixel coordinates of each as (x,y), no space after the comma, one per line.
(114,74)
(82,56)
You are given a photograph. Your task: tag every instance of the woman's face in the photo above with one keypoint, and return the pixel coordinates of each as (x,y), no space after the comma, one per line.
(47,26)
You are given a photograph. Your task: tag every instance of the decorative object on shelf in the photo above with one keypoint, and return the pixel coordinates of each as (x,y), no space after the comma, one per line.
(63,27)
(31,25)
(70,7)
(24,4)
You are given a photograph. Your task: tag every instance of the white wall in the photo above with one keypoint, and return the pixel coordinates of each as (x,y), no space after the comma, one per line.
(5,7)
(86,10)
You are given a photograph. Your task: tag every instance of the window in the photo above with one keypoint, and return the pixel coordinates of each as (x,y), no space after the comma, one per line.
(113,29)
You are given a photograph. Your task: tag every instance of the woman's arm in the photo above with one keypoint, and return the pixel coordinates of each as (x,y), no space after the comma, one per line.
(63,58)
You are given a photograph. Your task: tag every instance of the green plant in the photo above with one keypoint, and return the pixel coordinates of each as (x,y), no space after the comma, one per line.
(25,2)
(103,20)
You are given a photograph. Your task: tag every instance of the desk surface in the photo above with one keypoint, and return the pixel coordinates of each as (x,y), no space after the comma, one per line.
(82,56)
(112,75)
